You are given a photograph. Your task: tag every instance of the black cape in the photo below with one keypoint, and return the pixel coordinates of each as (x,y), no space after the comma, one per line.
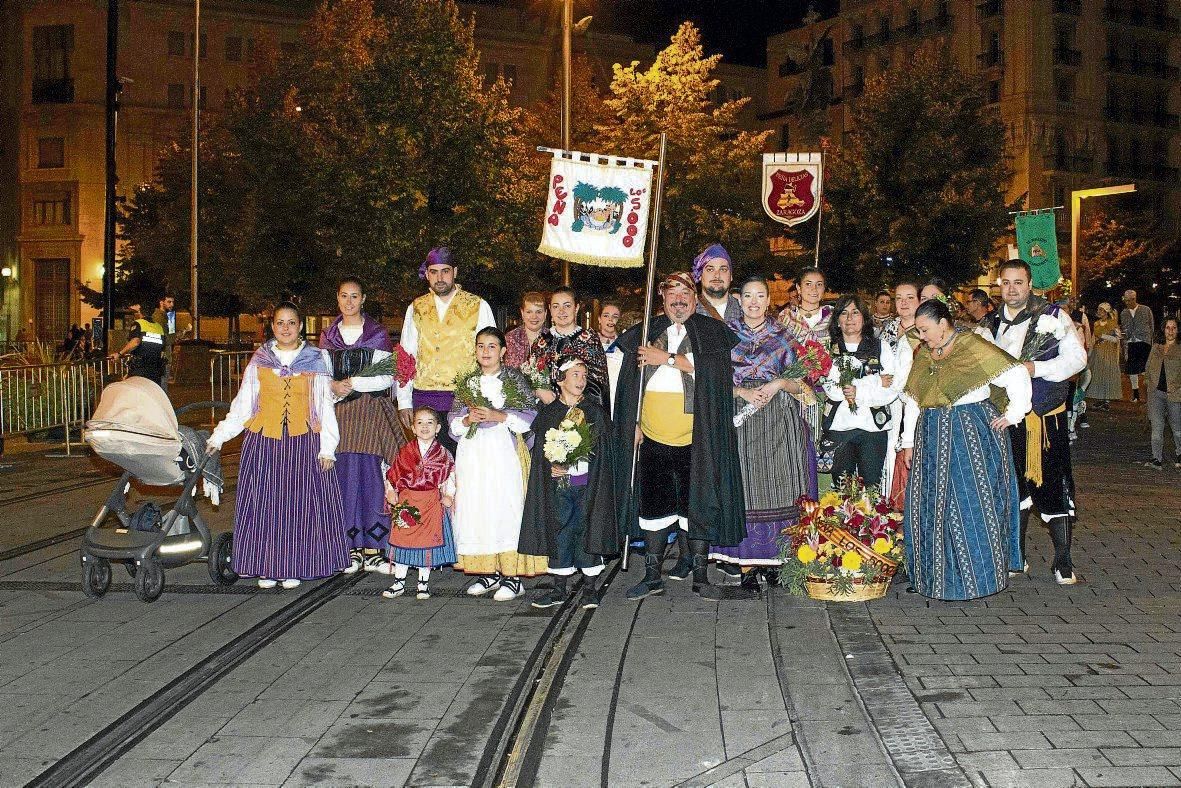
(717,506)
(539,523)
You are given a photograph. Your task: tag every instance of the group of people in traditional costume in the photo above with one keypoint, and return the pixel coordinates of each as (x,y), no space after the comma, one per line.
(363,455)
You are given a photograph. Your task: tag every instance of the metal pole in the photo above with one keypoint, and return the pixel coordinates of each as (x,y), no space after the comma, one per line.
(193,303)
(1076,209)
(819,207)
(653,246)
(113,87)
(567,31)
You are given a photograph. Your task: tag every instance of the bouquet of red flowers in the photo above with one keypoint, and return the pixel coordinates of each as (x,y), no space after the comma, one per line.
(399,364)
(403,515)
(812,364)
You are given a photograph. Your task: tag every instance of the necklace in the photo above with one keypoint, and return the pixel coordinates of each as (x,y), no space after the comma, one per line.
(940,350)
(755,328)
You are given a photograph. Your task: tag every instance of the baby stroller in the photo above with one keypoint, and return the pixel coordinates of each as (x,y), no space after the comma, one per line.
(136,428)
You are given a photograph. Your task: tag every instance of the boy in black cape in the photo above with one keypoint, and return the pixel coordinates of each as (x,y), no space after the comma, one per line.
(570,511)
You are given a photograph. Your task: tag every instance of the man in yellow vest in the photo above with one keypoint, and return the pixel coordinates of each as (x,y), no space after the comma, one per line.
(440,332)
(145,346)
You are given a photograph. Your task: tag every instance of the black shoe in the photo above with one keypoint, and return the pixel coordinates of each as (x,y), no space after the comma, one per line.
(555,596)
(772,577)
(1135,396)
(700,550)
(750,581)
(1157,464)
(592,593)
(684,565)
(1060,535)
(656,543)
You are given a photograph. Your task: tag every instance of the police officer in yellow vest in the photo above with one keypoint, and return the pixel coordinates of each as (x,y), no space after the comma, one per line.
(440,332)
(145,346)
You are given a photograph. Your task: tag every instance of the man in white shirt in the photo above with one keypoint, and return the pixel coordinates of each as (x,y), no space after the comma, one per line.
(440,332)
(1028,327)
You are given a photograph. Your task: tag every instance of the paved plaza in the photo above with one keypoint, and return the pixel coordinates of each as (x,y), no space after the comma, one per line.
(1040,686)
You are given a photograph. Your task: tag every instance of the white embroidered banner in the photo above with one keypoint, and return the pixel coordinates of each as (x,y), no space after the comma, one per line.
(792,186)
(597,209)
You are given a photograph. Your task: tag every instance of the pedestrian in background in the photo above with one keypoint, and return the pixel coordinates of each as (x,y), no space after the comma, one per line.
(145,347)
(1136,323)
(1164,393)
(521,338)
(979,304)
(883,310)
(288,517)
(1106,384)
(165,316)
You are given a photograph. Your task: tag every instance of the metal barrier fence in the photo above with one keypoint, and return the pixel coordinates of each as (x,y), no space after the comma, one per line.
(225,373)
(39,397)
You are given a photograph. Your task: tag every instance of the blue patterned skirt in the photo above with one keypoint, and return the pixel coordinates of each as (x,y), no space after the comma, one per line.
(429,557)
(962,517)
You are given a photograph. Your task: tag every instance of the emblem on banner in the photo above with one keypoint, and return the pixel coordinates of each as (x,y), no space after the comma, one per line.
(791,186)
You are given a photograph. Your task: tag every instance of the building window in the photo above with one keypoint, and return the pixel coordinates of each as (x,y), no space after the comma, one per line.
(52,47)
(51,153)
(201,98)
(250,50)
(1064,88)
(51,211)
(944,11)
(176,43)
(884,28)
(1059,194)
(234,49)
(858,34)
(784,137)
(912,19)
(1113,158)
(994,92)
(826,56)
(510,73)
(176,96)
(204,44)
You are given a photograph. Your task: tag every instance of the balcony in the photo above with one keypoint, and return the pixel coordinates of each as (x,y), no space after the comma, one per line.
(990,9)
(1071,7)
(991,60)
(1064,56)
(1064,163)
(936,24)
(1150,172)
(1142,68)
(53,91)
(1142,117)
(854,90)
(1138,17)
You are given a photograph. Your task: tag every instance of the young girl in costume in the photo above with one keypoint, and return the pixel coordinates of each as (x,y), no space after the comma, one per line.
(422,477)
(491,465)
(288,517)
(570,509)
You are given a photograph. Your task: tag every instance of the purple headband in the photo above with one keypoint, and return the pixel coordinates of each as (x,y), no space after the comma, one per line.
(440,255)
(712,252)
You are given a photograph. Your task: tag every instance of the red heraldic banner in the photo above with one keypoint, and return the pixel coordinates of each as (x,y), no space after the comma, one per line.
(792,186)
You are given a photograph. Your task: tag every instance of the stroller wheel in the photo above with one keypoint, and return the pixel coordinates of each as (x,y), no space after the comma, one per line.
(96,577)
(220,556)
(149,581)
(131,569)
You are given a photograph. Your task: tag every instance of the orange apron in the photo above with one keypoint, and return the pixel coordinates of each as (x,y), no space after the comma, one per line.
(428,533)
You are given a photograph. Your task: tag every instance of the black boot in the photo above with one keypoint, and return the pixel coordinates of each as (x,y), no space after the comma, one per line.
(1060,533)
(684,565)
(701,585)
(592,592)
(750,582)
(656,543)
(555,596)
(1024,555)
(771,575)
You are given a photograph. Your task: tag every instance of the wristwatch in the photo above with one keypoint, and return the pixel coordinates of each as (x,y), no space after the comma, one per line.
(672,360)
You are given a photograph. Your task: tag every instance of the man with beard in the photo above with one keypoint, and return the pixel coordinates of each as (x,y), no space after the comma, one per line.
(1028,327)
(440,332)
(565,338)
(687,471)
(713,271)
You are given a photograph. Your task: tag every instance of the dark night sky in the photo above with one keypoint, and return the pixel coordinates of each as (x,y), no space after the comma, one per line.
(736,28)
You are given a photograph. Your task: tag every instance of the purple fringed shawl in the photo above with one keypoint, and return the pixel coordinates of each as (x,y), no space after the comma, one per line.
(309,361)
(373,335)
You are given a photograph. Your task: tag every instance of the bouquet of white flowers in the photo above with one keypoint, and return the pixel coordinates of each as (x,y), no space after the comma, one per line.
(571,442)
(1048,331)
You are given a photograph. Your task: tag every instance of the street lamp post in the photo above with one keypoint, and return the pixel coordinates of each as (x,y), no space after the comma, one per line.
(193,201)
(1076,207)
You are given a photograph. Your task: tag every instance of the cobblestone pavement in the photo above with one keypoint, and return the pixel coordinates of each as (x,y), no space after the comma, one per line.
(1055,686)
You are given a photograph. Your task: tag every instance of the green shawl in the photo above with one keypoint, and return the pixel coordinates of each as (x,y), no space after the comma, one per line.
(972,363)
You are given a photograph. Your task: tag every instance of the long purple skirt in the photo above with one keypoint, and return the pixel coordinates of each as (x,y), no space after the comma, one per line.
(288,521)
(366,525)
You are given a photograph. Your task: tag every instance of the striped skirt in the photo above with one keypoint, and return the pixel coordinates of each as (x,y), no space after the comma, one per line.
(429,557)
(776,471)
(961,517)
(288,520)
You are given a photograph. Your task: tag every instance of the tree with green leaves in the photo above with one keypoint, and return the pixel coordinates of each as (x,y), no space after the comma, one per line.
(920,179)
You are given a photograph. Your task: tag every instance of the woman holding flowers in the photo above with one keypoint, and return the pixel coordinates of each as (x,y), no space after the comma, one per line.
(370,431)
(772,436)
(494,407)
(962,516)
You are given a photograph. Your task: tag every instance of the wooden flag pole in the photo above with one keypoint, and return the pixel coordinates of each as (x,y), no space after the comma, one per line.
(653,246)
(820,206)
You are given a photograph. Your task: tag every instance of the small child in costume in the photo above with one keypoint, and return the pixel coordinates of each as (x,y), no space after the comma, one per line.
(423,477)
(570,510)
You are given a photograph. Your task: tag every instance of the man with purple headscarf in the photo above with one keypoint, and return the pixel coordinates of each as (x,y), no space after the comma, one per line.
(713,271)
(440,332)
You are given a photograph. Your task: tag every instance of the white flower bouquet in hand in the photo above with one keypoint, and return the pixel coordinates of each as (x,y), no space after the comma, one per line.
(1047,332)
(568,444)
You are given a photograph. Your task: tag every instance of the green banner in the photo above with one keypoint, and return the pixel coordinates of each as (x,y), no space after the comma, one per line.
(1037,241)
